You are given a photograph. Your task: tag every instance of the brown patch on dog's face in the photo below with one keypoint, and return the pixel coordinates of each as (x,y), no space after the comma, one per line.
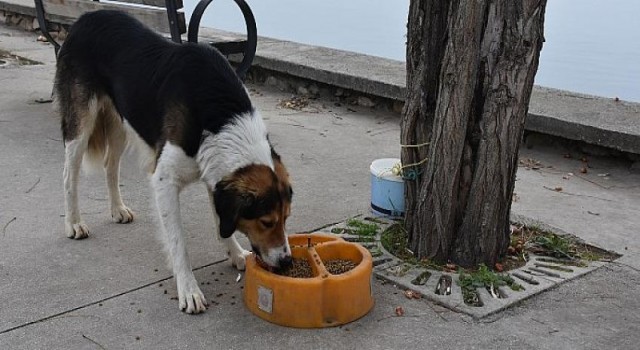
(252,201)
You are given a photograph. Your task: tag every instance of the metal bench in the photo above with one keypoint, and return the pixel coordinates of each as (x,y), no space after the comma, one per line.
(164,16)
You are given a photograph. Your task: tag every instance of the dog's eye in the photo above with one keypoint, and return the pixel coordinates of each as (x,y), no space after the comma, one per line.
(267,223)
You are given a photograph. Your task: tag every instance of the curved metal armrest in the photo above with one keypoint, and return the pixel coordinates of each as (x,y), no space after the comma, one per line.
(43,26)
(249,46)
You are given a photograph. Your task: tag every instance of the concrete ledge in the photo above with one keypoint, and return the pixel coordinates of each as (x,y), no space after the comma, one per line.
(22,7)
(594,120)
(591,119)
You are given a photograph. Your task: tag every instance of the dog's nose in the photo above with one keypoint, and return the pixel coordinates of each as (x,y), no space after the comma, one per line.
(285,262)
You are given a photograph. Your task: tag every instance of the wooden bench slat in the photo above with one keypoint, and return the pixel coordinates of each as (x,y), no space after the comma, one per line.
(68,11)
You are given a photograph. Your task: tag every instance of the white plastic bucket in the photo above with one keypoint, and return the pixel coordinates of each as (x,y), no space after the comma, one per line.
(387,189)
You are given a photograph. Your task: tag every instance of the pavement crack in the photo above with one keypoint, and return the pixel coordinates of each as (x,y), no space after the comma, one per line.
(102,300)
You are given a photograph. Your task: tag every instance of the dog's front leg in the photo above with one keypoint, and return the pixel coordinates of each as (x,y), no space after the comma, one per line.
(167,181)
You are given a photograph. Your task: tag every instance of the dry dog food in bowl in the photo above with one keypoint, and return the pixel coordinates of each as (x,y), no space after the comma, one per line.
(339,266)
(299,269)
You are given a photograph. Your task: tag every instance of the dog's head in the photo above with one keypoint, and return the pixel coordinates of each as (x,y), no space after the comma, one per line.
(256,201)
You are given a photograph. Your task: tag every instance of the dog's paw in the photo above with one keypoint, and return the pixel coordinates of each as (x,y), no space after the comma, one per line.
(77,231)
(121,214)
(190,298)
(238,260)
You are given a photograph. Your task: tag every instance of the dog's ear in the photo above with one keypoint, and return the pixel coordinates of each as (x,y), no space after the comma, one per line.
(229,203)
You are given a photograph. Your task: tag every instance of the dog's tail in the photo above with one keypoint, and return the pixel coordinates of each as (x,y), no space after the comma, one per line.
(95,157)
(108,136)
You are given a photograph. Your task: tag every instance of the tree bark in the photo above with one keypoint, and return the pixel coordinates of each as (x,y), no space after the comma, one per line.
(470,70)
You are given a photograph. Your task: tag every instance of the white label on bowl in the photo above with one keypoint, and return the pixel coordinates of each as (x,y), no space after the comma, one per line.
(265,299)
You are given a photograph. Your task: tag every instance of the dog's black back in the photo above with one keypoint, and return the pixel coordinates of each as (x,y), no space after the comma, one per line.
(149,79)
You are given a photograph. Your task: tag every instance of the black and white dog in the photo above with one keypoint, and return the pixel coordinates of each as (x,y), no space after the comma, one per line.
(190,117)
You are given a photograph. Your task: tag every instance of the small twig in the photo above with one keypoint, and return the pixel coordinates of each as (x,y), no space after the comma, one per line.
(438,312)
(386,317)
(575,194)
(4,228)
(33,186)
(396,316)
(593,182)
(493,293)
(93,341)
(495,319)
(533,319)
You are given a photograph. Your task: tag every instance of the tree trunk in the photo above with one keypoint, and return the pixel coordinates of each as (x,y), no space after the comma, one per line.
(470,71)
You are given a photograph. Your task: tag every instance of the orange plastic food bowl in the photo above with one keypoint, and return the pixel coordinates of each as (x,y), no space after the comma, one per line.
(323,300)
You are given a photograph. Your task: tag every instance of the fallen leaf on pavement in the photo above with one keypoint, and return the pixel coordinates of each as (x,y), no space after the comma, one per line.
(412,294)
(583,170)
(399,311)
(558,189)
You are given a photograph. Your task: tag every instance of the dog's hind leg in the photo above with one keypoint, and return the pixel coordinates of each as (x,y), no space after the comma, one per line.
(74,226)
(116,143)
(236,253)
(78,120)
(174,170)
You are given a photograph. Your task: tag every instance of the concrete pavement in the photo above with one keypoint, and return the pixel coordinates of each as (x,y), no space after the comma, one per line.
(104,292)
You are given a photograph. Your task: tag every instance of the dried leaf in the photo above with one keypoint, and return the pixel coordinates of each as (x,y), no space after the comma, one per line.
(558,189)
(412,294)
(499,267)
(399,311)
(583,170)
